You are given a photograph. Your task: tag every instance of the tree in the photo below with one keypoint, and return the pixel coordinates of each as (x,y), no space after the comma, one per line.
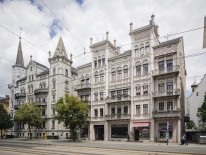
(30,114)
(201,113)
(190,124)
(72,112)
(5,120)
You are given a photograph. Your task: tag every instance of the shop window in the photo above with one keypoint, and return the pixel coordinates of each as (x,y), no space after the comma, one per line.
(164,128)
(119,131)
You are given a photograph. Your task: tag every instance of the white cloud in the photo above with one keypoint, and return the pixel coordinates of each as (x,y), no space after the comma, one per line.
(93,19)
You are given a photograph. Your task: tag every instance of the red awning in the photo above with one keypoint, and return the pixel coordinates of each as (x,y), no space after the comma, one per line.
(141,124)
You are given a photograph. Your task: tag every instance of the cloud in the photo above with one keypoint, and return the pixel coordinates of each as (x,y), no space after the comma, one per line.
(89,18)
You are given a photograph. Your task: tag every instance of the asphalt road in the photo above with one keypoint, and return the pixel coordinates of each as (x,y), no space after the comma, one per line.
(38,149)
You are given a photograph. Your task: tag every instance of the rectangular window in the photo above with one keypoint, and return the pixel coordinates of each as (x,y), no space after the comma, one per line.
(119,92)
(82,83)
(43,112)
(53,124)
(95,64)
(119,110)
(119,131)
(137,109)
(43,125)
(161,87)
(125,109)
(161,66)
(138,90)
(169,106)
(125,73)
(103,61)
(102,78)
(169,65)
(145,69)
(53,111)
(96,79)
(119,74)
(66,72)
(170,88)
(95,96)
(145,90)
(99,63)
(138,70)
(125,92)
(145,108)
(54,99)
(96,112)
(54,71)
(161,106)
(112,94)
(101,112)
(113,110)
(113,76)
(101,96)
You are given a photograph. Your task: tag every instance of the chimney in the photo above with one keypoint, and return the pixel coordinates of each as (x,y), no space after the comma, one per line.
(91,39)
(115,43)
(107,35)
(131,25)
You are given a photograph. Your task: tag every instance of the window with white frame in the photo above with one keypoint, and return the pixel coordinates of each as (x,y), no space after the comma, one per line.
(169,64)
(138,69)
(125,109)
(113,111)
(145,108)
(125,92)
(96,96)
(170,87)
(95,62)
(113,75)
(101,76)
(96,77)
(96,112)
(138,90)
(101,112)
(145,67)
(161,65)
(119,73)
(161,106)
(147,47)
(142,49)
(101,96)
(125,69)
(145,89)
(169,105)
(103,60)
(136,49)
(112,94)
(161,87)
(137,109)
(99,62)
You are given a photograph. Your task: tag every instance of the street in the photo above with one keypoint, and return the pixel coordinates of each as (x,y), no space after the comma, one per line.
(73,149)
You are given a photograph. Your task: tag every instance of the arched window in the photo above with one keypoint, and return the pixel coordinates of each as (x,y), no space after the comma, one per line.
(125,70)
(95,62)
(136,49)
(147,47)
(145,67)
(32,88)
(138,68)
(119,73)
(44,84)
(141,49)
(101,76)
(169,64)
(54,83)
(96,96)
(169,87)
(103,60)
(87,80)
(96,77)
(113,74)
(99,62)
(40,85)
(66,84)
(138,90)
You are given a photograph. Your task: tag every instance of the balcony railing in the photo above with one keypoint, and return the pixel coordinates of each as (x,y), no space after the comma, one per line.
(41,103)
(166,114)
(173,69)
(17,95)
(16,106)
(83,86)
(41,90)
(117,116)
(165,93)
(119,99)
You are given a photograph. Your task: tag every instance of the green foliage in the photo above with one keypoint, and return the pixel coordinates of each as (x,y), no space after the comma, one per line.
(191,124)
(72,112)
(202,111)
(5,119)
(29,113)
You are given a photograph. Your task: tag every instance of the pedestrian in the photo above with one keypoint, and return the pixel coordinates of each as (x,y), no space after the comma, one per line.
(186,142)
(183,139)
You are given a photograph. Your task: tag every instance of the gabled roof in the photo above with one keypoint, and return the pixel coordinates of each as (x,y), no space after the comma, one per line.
(60,49)
(74,70)
(19,57)
(38,64)
(167,43)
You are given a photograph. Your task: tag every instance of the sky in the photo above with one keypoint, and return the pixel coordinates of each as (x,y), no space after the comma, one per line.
(82,19)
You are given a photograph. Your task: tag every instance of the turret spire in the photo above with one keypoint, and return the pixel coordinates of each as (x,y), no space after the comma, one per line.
(60,50)
(19,58)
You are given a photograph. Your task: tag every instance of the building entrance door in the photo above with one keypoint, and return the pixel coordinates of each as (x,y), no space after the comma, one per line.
(136,134)
(99,132)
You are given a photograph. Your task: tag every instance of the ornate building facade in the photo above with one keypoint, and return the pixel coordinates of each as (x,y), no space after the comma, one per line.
(137,94)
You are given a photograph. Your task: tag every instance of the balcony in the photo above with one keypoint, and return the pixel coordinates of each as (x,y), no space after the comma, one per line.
(166,114)
(158,72)
(41,103)
(166,93)
(41,90)
(82,86)
(17,95)
(115,99)
(16,106)
(117,117)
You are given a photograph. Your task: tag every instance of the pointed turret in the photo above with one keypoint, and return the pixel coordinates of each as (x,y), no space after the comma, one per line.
(60,49)
(19,58)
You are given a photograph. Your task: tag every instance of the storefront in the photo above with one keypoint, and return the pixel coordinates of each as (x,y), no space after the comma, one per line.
(165,128)
(141,131)
(99,132)
(119,130)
